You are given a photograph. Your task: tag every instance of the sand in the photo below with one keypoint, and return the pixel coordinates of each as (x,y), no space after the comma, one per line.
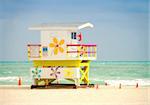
(105,95)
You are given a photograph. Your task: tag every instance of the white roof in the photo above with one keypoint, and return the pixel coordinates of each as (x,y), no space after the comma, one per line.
(62,26)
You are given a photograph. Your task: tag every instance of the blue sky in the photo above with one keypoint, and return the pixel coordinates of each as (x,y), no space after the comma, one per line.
(121,26)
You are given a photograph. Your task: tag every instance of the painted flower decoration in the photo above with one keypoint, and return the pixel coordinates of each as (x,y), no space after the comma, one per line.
(68,73)
(57,45)
(55,72)
(36,73)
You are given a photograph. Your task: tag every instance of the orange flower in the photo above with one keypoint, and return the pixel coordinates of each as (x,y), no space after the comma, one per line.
(57,45)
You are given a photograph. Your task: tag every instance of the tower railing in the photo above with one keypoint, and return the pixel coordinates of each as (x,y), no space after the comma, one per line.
(75,51)
(81,50)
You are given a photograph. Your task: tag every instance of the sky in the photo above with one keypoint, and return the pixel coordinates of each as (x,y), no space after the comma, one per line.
(120,26)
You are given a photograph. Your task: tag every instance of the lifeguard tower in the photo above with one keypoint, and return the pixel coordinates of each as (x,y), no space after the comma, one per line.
(61,54)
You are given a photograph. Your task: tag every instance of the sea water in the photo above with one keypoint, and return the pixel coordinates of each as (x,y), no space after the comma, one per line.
(112,72)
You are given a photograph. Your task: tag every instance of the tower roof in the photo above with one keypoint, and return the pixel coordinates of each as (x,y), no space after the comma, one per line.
(62,26)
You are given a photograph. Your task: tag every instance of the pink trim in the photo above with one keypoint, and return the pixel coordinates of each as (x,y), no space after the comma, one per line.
(88,45)
(79,52)
(72,51)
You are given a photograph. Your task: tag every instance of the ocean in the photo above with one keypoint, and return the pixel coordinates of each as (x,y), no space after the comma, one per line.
(112,72)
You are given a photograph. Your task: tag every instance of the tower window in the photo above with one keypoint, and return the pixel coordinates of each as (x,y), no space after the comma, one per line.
(45,49)
(73,35)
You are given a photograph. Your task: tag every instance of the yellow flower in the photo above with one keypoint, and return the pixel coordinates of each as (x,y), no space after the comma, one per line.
(68,73)
(57,45)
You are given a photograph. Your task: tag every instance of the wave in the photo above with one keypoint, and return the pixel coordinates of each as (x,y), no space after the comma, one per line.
(141,82)
(10,78)
(129,82)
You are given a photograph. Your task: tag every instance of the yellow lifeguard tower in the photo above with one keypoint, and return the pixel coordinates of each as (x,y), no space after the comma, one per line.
(61,54)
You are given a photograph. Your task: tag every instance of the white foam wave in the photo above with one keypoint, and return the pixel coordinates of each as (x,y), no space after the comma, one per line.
(141,82)
(128,82)
(10,78)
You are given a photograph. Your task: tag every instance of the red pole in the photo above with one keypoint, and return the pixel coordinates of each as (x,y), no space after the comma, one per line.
(106,84)
(19,81)
(137,85)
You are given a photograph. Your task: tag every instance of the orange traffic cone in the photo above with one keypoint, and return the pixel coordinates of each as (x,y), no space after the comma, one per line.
(137,85)
(120,86)
(19,81)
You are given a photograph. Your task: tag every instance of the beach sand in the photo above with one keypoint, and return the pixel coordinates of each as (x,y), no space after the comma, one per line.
(104,95)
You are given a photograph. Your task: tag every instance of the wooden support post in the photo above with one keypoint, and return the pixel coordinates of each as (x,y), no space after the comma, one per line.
(77,82)
(67,52)
(84,69)
(85,51)
(28,52)
(46,82)
(87,75)
(40,52)
(78,51)
(94,51)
